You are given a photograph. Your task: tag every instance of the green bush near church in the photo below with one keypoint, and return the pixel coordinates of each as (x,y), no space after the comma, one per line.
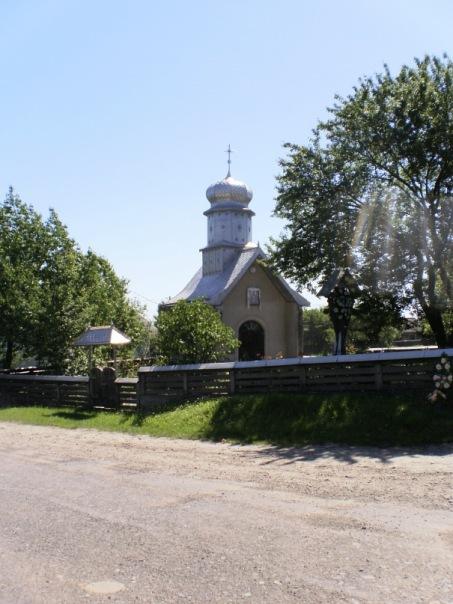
(193,332)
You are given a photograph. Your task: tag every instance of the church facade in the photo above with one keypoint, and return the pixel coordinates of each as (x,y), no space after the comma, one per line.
(263,310)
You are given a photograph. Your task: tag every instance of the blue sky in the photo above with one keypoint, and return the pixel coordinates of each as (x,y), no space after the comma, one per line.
(117,114)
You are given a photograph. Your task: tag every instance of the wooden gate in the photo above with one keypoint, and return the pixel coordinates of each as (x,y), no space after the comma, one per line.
(103,389)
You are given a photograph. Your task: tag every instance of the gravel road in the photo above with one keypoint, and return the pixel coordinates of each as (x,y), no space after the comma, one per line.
(90,516)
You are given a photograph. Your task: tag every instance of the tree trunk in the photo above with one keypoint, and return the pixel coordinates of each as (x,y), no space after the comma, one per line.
(435,320)
(432,313)
(9,354)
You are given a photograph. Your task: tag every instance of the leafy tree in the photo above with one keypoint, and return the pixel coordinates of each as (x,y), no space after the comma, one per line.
(373,191)
(105,302)
(319,336)
(193,332)
(50,291)
(61,312)
(376,321)
(22,234)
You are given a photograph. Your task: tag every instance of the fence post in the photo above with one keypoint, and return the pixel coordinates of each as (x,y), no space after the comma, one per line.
(184,383)
(94,386)
(140,390)
(302,377)
(110,394)
(378,376)
(232,388)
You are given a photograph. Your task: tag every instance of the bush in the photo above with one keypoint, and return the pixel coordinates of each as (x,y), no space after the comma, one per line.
(193,332)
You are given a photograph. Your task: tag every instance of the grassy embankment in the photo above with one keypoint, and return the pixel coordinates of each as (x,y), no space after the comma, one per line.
(286,419)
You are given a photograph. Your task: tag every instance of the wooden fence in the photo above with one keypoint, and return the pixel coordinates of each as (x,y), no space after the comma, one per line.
(62,391)
(44,390)
(397,371)
(390,371)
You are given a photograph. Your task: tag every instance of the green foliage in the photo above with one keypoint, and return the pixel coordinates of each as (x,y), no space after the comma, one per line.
(372,191)
(50,291)
(282,419)
(319,336)
(376,322)
(193,332)
(22,235)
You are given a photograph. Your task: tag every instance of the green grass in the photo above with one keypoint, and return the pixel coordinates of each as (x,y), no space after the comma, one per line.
(286,419)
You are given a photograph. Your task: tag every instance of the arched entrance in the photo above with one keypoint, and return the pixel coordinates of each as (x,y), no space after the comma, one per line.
(251,336)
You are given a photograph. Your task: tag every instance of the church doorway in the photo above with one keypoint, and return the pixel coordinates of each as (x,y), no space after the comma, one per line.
(251,336)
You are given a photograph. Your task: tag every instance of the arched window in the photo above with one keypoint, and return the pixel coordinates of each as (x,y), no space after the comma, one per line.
(251,336)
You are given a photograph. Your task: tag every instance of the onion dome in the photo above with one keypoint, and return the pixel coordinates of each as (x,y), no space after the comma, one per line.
(229,189)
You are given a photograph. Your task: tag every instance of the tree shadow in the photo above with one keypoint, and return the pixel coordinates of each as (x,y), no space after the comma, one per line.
(346,427)
(135,418)
(77,414)
(347,453)
(74,413)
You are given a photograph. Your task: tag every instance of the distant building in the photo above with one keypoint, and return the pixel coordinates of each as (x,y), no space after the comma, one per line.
(264,311)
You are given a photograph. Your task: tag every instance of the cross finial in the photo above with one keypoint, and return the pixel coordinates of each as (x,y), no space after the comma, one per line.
(229,151)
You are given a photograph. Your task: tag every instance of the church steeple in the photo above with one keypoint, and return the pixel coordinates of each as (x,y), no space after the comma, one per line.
(229,151)
(229,221)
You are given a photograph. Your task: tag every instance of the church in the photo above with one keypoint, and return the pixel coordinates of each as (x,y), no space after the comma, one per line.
(263,310)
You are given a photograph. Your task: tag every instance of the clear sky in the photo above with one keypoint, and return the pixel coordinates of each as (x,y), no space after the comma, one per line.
(117,113)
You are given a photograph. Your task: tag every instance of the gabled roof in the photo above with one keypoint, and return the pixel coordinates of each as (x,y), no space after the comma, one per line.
(215,288)
(105,335)
(335,278)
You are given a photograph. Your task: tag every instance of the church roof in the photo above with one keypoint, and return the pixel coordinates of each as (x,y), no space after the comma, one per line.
(229,189)
(215,287)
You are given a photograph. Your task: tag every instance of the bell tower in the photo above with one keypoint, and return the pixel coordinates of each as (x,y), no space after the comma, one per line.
(229,221)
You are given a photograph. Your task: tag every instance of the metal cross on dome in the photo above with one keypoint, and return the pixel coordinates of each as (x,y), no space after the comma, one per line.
(229,151)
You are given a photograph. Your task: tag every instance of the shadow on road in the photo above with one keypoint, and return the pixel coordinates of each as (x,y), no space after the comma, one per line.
(345,453)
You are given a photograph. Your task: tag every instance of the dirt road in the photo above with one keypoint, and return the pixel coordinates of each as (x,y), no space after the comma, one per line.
(101,517)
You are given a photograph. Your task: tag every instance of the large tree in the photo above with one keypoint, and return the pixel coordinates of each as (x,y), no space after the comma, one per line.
(50,291)
(373,191)
(22,236)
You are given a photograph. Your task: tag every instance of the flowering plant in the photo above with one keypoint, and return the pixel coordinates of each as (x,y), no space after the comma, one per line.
(442,378)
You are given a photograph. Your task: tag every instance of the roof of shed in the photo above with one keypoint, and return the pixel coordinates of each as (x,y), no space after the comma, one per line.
(104,335)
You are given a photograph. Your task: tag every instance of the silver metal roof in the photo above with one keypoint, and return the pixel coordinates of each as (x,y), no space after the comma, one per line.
(102,336)
(214,288)
(229,189)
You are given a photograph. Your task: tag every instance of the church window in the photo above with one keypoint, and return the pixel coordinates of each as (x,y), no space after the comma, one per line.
(253,296)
